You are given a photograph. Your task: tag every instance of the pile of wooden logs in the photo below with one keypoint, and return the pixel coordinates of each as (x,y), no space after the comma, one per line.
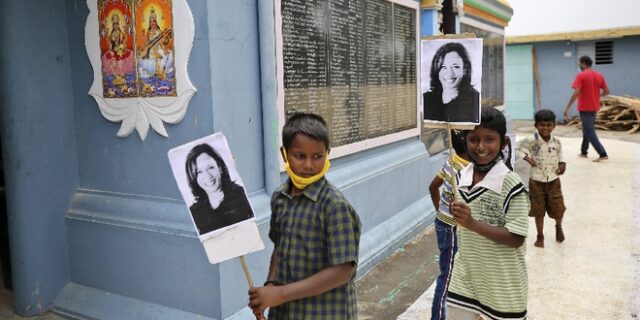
(617,113)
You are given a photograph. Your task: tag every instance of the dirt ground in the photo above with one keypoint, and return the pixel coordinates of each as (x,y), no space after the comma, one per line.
(591,274)
(594,274)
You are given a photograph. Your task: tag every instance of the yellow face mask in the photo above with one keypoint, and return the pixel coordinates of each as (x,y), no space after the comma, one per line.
(301,182)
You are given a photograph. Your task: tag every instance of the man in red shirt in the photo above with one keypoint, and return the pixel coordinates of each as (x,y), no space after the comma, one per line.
(588,87)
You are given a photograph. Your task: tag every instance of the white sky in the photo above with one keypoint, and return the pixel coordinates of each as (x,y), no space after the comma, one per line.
(550,16)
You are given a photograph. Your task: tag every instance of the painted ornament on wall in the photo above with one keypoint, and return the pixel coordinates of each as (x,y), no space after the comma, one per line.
(156,72)
(139,51)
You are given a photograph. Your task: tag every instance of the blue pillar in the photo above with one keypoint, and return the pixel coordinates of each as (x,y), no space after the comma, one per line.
(39,150)
(429,21)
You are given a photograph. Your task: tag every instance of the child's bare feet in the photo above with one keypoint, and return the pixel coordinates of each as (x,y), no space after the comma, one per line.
(582,155)
(600,159)
(539,241)
(559,234)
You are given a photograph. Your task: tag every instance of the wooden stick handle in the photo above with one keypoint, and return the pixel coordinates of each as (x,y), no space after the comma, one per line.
(454,185)
(259,316)
(246,271)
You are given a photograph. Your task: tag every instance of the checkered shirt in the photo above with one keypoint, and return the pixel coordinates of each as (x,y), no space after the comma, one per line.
(311,232)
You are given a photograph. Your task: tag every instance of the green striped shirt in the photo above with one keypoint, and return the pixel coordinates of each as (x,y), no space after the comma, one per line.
(491,278)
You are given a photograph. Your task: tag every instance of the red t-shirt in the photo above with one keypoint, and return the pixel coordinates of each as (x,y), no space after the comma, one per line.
(589,82)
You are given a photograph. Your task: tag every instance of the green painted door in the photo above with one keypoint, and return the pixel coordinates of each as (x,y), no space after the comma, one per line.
(520,83)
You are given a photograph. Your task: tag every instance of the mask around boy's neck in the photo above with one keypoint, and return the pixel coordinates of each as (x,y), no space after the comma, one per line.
(301,182)
(484,168)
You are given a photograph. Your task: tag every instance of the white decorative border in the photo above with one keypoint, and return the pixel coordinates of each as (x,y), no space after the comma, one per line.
(139,113)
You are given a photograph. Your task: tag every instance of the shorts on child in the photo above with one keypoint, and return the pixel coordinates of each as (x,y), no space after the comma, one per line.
(546,197)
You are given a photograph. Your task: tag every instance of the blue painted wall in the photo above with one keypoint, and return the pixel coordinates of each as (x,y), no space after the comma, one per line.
(623,76)
(129,234)
(37,128)
(134,166)
(519,81)
(557,72)
(97,226)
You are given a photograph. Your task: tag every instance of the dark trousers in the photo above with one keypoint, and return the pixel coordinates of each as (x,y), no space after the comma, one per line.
(589,134)
(448,245)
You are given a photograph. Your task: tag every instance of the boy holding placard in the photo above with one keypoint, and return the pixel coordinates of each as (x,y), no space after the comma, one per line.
(489,278)
(315,231)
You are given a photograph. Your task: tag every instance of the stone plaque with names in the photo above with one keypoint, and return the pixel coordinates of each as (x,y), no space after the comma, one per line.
(353,62)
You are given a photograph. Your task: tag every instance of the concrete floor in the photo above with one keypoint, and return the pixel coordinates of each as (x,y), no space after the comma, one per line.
(393,285)
(7,312)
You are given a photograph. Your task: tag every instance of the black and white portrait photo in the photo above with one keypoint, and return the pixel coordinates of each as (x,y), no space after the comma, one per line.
(209,183)
(215,198)
(509,151)
(451,80)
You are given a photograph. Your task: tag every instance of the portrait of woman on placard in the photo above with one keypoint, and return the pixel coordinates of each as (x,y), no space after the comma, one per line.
(450,96)
(219,201)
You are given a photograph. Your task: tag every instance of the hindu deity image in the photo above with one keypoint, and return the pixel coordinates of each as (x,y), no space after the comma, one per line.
(155,48)
(117,50)
(137,48)
(140,59)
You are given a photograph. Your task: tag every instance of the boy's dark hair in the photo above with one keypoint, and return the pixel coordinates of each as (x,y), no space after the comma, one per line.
(586,60)
(492,119)
(545,115)
(309,124)
(457,142)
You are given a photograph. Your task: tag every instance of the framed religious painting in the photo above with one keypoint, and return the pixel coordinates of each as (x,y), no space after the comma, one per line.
(139,50)
(155,43)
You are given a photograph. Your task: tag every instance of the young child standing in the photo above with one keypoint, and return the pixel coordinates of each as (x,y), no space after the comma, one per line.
(315,232)
(445,225)
(544,152)
(489,277)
